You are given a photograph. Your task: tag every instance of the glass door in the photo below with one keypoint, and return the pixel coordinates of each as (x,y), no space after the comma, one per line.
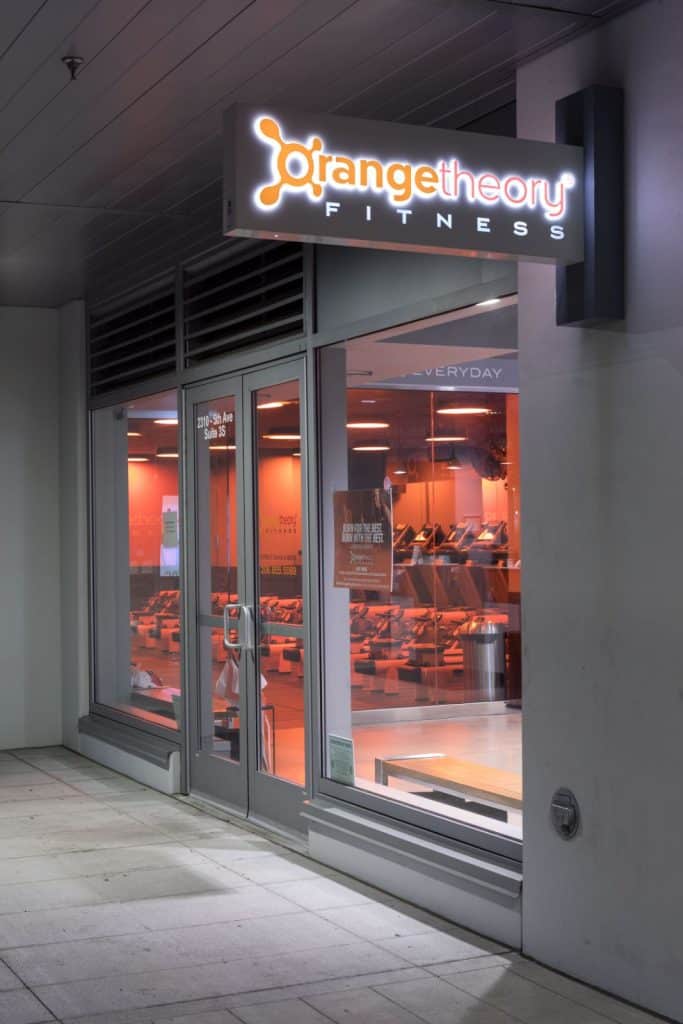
(247,656)
(277,587)
(217,583)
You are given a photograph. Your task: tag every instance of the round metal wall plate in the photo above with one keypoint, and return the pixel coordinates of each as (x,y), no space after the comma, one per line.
(564,813)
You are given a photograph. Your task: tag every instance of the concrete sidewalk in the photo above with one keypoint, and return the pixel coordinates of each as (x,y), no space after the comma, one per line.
(118,904)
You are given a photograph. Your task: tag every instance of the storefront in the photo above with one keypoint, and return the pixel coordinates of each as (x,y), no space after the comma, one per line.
(342,507)
(233,623)
(307,556)
(372,547)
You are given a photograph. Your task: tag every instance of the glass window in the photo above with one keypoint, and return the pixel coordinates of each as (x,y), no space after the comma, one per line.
(421,524)
(137,558)
(218,550)
(280,582)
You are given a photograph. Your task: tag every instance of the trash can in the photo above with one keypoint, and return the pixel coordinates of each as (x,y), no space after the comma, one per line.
(483,647)
(513,674)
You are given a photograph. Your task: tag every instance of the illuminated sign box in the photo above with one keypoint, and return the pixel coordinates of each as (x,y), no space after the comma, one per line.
(346,181)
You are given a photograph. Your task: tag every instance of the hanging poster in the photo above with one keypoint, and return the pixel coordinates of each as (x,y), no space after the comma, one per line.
(363,555)
(169,558)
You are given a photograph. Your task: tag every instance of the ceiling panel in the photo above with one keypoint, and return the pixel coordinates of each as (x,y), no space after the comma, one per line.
(121,119)
(44,91)
(114,177)
(45,33)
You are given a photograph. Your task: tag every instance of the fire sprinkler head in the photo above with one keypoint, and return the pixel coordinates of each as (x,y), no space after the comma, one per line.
(73,64)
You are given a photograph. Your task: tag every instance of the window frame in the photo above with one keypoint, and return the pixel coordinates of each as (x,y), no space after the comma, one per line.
(476,837)
(97,707)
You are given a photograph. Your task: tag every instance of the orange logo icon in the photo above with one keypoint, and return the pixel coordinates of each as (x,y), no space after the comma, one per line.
(286,155)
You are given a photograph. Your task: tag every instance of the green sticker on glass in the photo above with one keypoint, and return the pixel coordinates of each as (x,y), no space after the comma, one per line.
(340,752)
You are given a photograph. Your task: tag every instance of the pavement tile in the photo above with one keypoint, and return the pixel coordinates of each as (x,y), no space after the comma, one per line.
(372,921)
(168,1011)
(150,988)
(437,1002)
(67,924)
(49,806)
(27,776)
(274,868)
(21,1007)
(210,1017)
(362,1006)
(173,948)
(584,995)
(290,1011)
(121,887)
(319,893)
(521,998)
(96,816)
(436,947)
(208,908)
(48,789)
(8,980)
(103,838)
(477,963)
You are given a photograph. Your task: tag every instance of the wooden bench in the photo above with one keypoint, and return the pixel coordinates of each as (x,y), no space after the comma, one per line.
(451,775)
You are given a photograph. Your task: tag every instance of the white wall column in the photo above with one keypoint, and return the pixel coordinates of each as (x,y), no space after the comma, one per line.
(30,597)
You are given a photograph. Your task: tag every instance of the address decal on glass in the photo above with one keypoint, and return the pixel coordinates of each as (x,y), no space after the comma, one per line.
(348,181)
(214,425)
(363,555)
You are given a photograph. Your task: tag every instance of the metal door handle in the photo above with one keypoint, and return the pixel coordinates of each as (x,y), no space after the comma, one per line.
(250,634)
(226,626)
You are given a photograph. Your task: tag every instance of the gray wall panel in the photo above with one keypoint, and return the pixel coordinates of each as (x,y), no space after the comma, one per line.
(73,473)
(602,493)
(354,284)
(30,640)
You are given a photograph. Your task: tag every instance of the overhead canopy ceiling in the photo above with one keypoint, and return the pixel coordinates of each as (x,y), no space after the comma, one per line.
(112,178)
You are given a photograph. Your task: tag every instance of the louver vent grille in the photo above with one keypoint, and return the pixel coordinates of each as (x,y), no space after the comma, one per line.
(133,341)
(255,293)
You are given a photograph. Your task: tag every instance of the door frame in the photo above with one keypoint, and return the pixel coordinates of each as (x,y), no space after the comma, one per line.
(250,793)
(207,775)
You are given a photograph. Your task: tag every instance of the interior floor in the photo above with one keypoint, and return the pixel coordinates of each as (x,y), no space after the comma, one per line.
(482,741)
(494,740)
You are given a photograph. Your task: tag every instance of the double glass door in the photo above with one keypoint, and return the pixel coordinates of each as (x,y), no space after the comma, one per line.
(248,709)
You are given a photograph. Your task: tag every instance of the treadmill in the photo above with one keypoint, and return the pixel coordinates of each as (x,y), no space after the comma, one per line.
(491,545)
(403,541)
(458,541)
(429,537)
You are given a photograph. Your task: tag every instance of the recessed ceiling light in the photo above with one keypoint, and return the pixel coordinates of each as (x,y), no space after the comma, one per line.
(271,405)
(400,472)
(368,401)
(169,421)
(134,433)
(281,437)
(222,447)
(167,453)
(488,302)
(464,410)
(296,455)
(371,448)
(138,458)
(367,425)
(445,439)
(453,465)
